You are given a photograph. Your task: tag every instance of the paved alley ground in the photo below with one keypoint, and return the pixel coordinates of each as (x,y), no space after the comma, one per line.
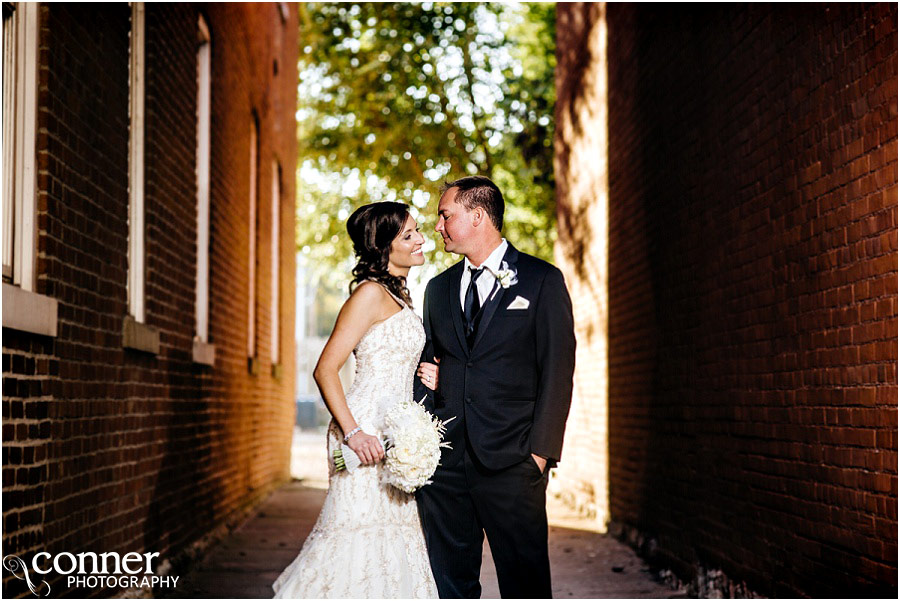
(584,564)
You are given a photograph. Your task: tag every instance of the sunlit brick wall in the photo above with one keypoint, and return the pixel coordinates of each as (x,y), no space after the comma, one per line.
(752,291)
(251,447)
(112,449)
(581,191)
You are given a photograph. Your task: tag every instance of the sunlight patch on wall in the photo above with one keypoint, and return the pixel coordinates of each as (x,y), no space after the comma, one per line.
(581,166)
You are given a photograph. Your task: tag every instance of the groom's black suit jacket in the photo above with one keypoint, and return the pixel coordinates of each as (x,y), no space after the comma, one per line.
(510,393)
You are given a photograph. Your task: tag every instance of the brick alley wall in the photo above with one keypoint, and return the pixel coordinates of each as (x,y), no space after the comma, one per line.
(107,448)
(752,285)
(581,169)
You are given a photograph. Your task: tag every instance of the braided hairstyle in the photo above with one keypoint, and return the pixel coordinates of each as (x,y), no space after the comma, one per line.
(372,229)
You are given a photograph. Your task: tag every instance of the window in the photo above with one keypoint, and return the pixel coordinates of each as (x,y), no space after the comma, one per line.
(20,46)
(203,136)
(136,91)
(136,334)
(23,308)
(252,224)
(276,246)
(203,351)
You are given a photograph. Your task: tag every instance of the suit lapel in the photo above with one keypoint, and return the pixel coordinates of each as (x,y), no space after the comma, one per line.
(455,275)
(510,256)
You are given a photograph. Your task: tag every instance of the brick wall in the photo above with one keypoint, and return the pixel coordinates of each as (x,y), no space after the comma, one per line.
(111,449)
(581,168)
(752,287)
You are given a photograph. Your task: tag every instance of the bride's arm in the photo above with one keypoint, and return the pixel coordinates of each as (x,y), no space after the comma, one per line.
(362,309)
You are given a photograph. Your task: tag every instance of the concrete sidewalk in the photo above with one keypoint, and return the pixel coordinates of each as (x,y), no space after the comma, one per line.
(245,564)
(584,564)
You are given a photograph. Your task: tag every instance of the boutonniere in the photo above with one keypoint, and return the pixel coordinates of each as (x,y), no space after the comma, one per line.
(506,276)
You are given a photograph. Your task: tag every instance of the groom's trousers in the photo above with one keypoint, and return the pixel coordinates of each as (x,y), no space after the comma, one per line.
(466,501)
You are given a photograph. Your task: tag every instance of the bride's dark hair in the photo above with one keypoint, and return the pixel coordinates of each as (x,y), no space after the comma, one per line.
(372,228)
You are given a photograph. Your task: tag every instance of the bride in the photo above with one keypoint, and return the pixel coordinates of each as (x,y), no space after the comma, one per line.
(368,541)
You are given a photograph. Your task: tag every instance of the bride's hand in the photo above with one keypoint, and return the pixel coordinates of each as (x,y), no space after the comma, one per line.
(428,373)
(367,447)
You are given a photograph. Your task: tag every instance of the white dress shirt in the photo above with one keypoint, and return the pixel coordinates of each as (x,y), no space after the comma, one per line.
(485,282)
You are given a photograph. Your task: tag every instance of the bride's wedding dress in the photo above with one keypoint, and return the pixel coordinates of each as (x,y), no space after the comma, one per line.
(368,541)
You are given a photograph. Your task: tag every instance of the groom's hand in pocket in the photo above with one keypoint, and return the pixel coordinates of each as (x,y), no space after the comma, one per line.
(540,461)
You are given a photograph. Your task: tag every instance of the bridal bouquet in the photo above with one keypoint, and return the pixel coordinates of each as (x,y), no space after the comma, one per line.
(412,442)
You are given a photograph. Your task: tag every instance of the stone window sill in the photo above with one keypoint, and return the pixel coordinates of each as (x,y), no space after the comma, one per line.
(139,336)
(204,352)
(29,311)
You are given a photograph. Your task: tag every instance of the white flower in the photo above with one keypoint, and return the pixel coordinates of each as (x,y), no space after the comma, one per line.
(414,447)
(507,276)
(412,441)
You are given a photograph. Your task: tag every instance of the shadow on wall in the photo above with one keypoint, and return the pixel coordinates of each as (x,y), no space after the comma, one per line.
(185,437)
(653,185)
(717,134)
(574,119)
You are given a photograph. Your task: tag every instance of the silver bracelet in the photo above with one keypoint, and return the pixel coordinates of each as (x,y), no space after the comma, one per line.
(355,430)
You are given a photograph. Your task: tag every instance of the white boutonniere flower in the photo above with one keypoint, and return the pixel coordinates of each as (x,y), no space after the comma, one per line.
(506,276)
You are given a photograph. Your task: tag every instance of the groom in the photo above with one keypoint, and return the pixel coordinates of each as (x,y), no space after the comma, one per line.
(500,323)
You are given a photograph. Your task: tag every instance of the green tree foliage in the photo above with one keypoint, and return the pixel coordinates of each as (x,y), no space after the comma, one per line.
(396,97)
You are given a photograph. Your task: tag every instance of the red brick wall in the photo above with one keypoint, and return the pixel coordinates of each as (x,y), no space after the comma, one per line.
(110,449)
(752,282)
(256,444)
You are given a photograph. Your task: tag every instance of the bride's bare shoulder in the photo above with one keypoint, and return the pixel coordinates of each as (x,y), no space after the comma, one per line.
(371,297)
(368,291)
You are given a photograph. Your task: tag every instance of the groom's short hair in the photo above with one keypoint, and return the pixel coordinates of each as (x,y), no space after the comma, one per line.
(479,191)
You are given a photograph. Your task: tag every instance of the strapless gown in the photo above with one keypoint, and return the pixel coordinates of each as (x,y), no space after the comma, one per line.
(368,541)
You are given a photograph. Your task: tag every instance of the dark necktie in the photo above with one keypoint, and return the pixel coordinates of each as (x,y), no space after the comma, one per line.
(471,304)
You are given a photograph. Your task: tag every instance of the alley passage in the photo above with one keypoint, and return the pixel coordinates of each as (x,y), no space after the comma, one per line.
(245,564)
(585,564)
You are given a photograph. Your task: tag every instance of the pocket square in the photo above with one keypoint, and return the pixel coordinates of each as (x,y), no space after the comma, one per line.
(519,303)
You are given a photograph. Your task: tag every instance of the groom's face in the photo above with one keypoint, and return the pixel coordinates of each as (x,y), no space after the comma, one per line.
(454,223)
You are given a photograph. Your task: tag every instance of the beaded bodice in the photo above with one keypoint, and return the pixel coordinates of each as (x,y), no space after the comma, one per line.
(386,359)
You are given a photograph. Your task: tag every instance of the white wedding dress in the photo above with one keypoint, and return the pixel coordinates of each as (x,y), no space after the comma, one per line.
(368,541)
